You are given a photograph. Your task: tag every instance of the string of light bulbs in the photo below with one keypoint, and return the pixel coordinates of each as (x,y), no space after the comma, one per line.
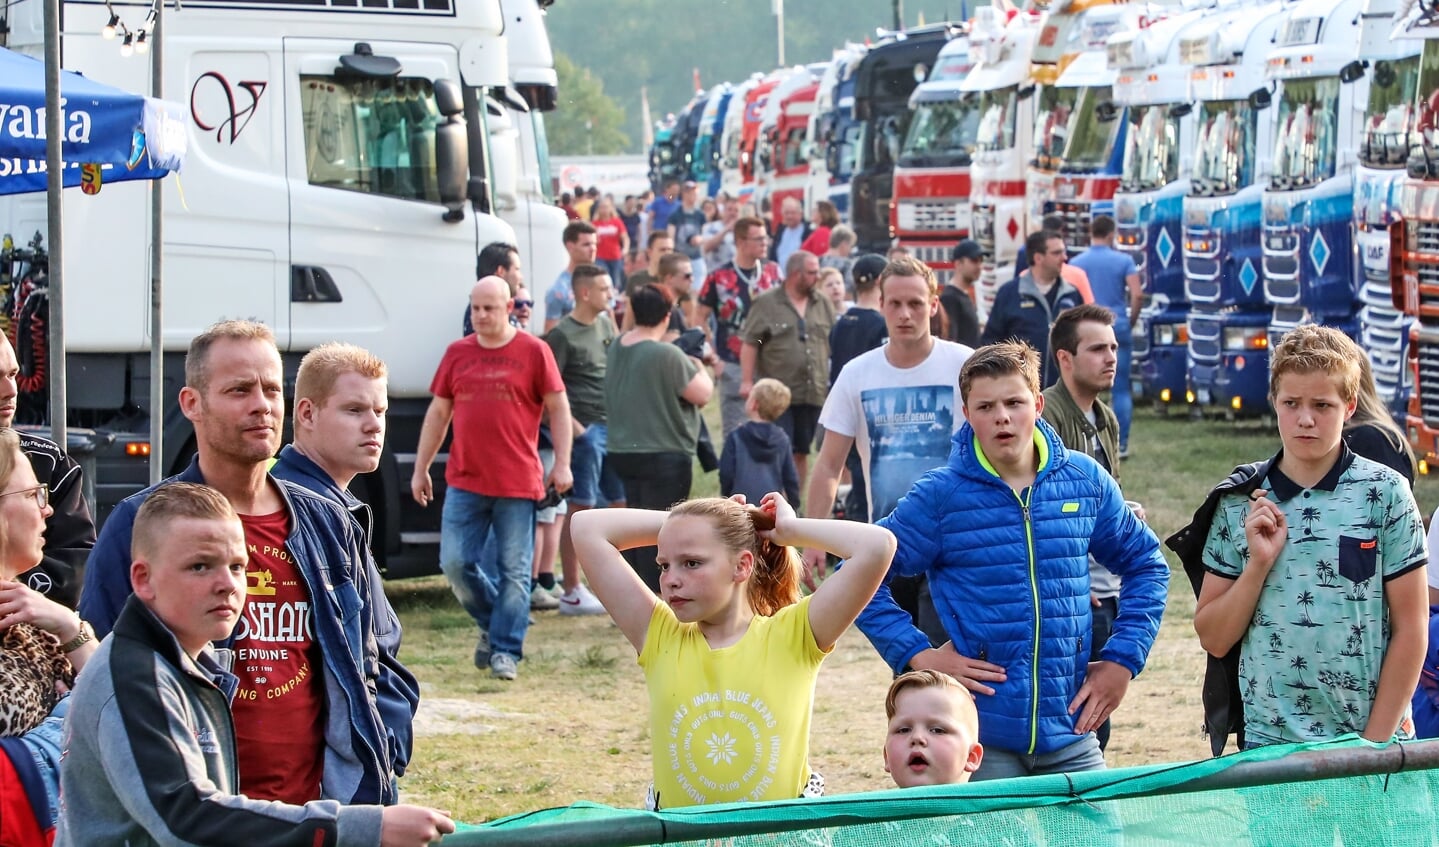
(132,41)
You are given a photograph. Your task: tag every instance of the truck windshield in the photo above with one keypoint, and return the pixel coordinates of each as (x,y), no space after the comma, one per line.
(1304,146)
(996,119)
(1151,149)
(793,144)
(942,133)
(1224,154)
(1390,116)
(1091,141)
(542,150)
(882,137)
(373,136)
(842,168)
(700,167)
(1424,143)
(1051,125)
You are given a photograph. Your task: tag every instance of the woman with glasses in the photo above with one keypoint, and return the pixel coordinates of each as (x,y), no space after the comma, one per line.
(42,646)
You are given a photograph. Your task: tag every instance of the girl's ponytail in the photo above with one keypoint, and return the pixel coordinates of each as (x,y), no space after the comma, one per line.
(775,583)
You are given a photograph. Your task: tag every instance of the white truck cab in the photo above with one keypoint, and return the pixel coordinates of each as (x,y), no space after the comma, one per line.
(337,187)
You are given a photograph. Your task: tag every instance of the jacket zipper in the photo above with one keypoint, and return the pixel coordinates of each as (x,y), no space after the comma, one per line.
(1034,597)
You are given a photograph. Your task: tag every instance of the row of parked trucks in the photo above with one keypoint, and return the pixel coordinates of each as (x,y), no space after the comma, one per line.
(1267,164)
(316,197)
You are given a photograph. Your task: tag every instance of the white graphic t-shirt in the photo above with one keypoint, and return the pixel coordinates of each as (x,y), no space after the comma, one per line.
(901,419)
(731,724)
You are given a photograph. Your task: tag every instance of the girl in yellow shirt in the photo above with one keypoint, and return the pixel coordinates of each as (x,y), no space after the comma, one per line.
(729,649)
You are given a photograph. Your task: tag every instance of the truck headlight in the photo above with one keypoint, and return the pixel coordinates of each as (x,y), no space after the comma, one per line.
(1167,335)
(1239,338)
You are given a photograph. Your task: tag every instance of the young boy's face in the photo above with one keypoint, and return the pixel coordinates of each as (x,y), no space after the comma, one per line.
(194,581)
(1002,411)
(933,738)
(1311,414)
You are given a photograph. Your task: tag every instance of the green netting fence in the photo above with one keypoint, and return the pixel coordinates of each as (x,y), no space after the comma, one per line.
(1342,792)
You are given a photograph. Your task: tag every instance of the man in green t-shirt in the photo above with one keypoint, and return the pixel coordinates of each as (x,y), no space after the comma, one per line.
(579,342)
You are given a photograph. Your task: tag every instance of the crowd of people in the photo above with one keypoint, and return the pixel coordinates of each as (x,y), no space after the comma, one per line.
(230,668)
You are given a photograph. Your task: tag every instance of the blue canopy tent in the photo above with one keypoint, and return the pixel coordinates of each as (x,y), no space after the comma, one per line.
(105,135)
(128,135)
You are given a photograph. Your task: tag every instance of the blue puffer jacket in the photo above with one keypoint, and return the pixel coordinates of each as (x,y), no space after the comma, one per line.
(1010,582)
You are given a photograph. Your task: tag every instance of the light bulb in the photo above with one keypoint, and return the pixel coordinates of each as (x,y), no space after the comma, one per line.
(108,33)
(142,45)
(127,47)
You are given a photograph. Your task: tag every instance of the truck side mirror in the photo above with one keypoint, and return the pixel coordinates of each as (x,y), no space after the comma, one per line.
(1384,75)
(1106,112)
(1024,93)
(1260,99)
(1180,110)
(452,151)
(1352,72)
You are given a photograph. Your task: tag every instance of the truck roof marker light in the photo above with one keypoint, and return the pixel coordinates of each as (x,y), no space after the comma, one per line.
(1227,74)
(1154,77)
(139,449)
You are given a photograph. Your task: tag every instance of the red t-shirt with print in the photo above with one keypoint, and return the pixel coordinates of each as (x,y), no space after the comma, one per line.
(498,396)
(609,231)
(279,708)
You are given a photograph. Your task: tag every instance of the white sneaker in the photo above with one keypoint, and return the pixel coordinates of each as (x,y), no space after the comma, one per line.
(542,600)
(581,602)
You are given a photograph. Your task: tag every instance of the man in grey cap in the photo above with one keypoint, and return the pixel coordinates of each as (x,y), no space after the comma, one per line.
(958,296)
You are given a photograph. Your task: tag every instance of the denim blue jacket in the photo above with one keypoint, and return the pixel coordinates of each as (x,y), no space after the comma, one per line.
(360,752)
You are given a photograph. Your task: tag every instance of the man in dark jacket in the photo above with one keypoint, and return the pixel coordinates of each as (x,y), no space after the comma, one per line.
(317,637)
(1025,308)
(70,531)
(341,398)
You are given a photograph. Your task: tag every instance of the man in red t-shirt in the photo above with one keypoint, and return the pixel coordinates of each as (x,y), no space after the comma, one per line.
(494,385)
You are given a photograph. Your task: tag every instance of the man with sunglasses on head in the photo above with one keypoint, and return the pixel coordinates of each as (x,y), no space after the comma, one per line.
(786,337)
(727,294)
(69,531)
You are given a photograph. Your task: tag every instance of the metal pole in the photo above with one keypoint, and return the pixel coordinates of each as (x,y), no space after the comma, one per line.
(779,25)
(54,188)
(898,15)
(157,218)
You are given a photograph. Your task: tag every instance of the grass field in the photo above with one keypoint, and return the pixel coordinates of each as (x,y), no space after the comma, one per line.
(574,727)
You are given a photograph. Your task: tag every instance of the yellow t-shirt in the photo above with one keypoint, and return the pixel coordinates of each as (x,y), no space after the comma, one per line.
(731,724)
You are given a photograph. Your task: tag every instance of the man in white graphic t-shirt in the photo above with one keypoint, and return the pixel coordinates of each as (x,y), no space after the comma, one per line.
(898,406)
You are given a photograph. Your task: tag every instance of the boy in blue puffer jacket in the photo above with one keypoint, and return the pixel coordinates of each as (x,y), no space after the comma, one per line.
(1004,532)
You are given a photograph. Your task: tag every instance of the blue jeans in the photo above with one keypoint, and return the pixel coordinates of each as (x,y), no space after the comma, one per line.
(587,461)
(616,269)
(1122,398)
(1103,615)
(1082,755)
(491,581)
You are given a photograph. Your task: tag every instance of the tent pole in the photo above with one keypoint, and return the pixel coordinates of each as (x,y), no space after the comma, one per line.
(54,183)
(157,208)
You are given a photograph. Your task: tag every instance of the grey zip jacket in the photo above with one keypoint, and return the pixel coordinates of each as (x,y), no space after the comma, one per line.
(149,755)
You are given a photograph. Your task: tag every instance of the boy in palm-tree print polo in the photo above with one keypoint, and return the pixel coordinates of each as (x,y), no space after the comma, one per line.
(1318,575)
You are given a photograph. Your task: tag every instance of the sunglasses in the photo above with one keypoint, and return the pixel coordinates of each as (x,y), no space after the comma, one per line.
(524,304)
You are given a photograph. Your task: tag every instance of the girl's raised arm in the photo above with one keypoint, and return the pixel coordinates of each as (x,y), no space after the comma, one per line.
(599,535)
(866,550)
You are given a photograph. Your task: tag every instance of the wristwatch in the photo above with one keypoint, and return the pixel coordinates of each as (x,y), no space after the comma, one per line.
(85,636)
